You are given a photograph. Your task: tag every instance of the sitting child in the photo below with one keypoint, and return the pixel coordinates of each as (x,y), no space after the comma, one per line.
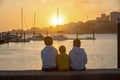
(48,55)
(78,56)
(63,60)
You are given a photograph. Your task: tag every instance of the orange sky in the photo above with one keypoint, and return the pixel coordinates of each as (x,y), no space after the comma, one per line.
(70,10)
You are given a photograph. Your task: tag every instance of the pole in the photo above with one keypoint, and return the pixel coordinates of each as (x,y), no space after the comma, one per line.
(16,37)
(57,22)
(34,24)
(57,16)
(93,34)
(47,33)
(76,34)
(118,41)
(0,36)
(7,37)
(22,21)
(24,36)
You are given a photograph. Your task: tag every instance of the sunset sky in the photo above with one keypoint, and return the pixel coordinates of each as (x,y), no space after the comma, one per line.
(69,10)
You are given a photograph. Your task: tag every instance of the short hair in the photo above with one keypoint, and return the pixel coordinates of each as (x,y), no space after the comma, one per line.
(77,42)
(48,40)
(62,49)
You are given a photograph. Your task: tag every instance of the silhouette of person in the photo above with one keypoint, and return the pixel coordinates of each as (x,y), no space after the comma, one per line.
(63,60)
(48,55)
(78,56)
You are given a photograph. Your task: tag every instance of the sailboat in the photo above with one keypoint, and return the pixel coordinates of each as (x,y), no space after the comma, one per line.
(36,37)
(1,39)
(59,35)
(22,38)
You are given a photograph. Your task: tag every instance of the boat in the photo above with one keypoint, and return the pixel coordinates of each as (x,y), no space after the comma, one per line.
(6,35)
(2,41)
(22,38)
(87,38)
(59,37)
(37,37)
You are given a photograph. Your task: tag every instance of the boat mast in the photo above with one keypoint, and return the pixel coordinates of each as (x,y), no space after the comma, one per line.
(34,24)
(22,32)
(57,16)
(57,21)
(22,22)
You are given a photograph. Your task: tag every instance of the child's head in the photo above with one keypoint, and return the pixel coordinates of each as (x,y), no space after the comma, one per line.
(48,40)
(62,49)
(77,43)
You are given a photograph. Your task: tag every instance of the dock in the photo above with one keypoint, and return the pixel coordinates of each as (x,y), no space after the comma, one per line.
(89,74)
(87,38)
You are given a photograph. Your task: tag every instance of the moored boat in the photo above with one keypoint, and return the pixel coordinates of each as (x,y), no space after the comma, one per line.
(20,40)
(59,37)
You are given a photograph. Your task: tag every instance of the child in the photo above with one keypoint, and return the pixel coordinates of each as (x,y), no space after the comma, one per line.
(48,55)
(78,56)
(63,60)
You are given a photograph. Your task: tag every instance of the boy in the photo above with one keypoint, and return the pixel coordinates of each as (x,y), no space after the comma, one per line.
(78,56)
(48,55)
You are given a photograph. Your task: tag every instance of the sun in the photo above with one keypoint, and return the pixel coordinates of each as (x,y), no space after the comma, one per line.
(56,21)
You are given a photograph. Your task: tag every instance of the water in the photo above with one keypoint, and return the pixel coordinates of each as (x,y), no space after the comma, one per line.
(102,53)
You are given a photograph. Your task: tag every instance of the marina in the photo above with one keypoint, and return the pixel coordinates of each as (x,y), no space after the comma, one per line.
(8,37)
(28,54)
(85,37)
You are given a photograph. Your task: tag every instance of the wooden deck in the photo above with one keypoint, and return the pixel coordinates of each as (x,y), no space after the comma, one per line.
(91,74)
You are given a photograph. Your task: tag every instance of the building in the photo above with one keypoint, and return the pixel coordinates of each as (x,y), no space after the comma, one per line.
(103,18)
(114,16)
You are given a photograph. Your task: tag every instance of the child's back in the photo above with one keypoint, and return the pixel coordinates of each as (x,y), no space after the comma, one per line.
(63,60)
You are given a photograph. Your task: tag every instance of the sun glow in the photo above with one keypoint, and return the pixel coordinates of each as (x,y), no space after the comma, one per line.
(56,21)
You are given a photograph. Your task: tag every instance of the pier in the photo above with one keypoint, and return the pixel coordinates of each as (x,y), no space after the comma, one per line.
(90,74)
(87,38)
